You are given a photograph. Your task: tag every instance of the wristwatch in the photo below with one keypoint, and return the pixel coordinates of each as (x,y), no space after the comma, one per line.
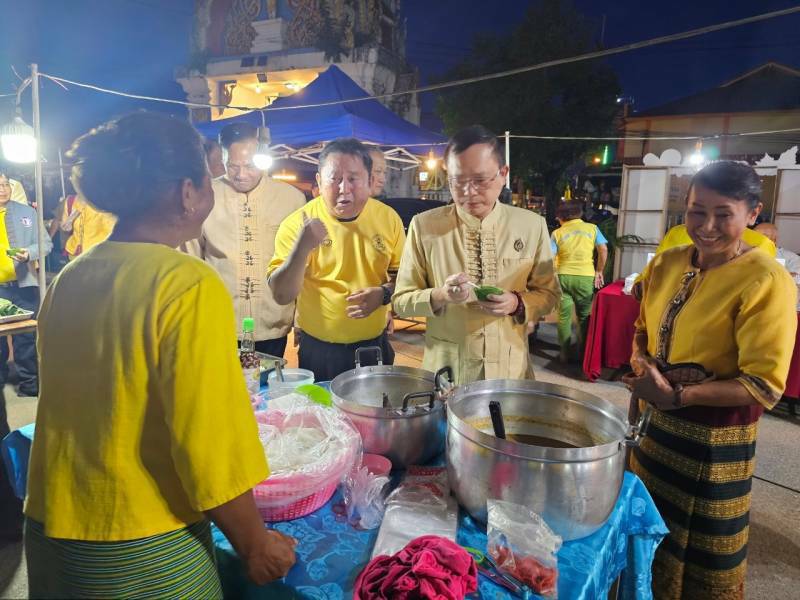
(387,295)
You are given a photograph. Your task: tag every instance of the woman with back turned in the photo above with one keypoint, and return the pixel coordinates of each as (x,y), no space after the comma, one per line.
(144,430)
(712,349)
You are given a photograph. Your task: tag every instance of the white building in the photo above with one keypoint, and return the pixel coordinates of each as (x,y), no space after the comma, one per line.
(249,52)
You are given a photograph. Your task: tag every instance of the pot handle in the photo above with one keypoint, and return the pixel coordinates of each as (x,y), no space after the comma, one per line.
(375,349)
(639,430)
(429,394)
(437,379)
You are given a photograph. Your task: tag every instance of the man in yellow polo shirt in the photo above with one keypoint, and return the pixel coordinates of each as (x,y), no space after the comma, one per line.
(573,245)
(678,236)
(338,256)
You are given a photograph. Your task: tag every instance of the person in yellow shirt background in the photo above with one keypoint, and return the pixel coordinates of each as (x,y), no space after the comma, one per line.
(144,430)
(85,225)
(573,245)
(18,192)
(679,236)
(338,256)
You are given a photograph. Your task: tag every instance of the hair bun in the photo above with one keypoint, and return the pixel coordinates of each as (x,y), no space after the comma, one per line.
(122,166)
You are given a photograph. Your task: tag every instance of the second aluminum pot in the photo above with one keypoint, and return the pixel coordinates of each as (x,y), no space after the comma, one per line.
(575,488)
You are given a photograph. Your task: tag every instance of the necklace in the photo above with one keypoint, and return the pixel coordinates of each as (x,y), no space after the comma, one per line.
(696,258)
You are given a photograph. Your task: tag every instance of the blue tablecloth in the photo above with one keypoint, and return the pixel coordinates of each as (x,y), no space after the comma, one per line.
(331,554)
(15,449)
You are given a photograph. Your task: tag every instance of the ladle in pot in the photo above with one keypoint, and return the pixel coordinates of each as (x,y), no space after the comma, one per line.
(497,419)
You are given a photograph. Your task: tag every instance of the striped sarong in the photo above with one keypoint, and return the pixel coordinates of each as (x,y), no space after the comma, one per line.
(178,564)
(700,477)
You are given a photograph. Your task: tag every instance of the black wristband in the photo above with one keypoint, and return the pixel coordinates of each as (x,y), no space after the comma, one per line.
(387,295)
(520,310)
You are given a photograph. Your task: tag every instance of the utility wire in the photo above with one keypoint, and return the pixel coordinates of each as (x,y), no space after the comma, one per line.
(653,138)
(459,82)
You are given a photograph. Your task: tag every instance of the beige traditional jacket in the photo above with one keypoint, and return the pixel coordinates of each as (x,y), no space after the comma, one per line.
(238,240)
(510,249)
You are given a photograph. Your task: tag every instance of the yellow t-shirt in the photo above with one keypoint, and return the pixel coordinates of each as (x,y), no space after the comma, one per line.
(7,271)
(678,236)
(89,228)
(144,420)
(573,247)
(739,320)
(361,254)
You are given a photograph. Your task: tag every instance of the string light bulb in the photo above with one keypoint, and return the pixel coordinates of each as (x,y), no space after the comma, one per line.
(698,159)
(432,161)
(17,138)
(262,159)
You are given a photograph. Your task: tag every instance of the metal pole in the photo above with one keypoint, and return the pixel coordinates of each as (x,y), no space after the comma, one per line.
(508,159)
(61,171)
(37,132)
(603,33)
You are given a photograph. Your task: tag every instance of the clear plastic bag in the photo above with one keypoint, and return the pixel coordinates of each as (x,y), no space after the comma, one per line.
(523,546)
(420,505)
(364,497)
(309,448)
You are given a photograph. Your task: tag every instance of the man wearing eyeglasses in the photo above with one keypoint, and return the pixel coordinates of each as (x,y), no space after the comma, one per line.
(338,256)
(477,241)
(238,237)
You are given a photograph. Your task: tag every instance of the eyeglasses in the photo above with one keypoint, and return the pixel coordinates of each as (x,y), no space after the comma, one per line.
(479,183)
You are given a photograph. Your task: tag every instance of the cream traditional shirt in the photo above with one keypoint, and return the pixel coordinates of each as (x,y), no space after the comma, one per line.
(510,249)
(238,240)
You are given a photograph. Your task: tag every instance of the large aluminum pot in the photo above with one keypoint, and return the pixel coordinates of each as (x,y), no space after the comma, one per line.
(574,489)
(397,410)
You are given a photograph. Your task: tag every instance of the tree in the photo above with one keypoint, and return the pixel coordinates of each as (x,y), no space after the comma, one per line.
(577,99)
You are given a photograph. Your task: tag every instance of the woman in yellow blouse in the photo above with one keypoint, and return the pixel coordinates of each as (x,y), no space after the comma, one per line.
(712,350)
(86,225)
(144,430)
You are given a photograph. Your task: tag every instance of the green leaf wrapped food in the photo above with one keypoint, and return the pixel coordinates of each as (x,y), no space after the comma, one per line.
(483,292)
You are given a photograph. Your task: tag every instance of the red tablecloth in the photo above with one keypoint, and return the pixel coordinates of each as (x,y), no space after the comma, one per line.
(611,326)
(793,381)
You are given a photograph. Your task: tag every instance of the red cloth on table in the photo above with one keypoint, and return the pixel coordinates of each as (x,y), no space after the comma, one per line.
(611,327)
(428,567)
(793,380)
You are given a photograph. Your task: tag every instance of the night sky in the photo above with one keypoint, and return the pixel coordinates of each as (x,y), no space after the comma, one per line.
(135,44)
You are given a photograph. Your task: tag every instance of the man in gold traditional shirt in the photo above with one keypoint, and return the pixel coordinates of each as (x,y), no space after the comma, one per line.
(477,239)
(238,237)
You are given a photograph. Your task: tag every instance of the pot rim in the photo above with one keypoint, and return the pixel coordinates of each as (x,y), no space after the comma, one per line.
(529,452)
(378,412)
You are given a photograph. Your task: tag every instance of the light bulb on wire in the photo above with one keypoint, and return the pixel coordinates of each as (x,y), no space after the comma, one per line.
(262,159)
(432,162)
(698,159)
(18,141)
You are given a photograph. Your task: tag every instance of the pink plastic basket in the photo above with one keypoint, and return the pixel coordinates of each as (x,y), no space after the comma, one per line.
(283,497)
(295,510)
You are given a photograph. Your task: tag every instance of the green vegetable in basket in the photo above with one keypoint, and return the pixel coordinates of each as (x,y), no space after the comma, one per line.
(484,291)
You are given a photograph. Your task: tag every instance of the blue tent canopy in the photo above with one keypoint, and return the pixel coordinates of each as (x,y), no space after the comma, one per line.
(368,120)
